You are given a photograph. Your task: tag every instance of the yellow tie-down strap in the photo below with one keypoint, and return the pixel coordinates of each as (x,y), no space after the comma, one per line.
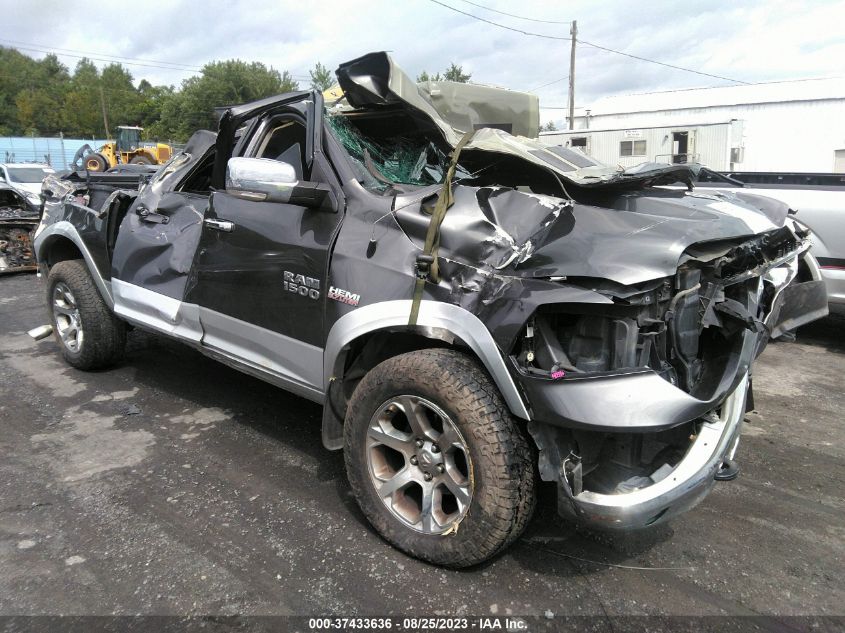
(427,266)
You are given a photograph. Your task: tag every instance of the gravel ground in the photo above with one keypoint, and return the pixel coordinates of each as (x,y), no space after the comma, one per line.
(174,485)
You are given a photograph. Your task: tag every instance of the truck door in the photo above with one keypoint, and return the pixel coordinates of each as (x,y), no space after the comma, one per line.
(261,267)
(153,251)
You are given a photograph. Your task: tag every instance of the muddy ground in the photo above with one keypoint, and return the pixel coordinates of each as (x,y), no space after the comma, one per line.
(174,485)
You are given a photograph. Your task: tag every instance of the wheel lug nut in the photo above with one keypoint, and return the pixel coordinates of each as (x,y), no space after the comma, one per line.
(441,468)
(435,448)
(420,442)
(414,460)
(427,476)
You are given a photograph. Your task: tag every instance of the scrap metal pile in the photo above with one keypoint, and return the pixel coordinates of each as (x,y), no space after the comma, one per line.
(17,221)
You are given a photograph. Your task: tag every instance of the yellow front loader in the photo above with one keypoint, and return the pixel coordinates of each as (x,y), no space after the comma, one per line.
(128,148)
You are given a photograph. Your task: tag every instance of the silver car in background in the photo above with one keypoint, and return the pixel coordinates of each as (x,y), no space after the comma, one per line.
(821,208)
(26,178)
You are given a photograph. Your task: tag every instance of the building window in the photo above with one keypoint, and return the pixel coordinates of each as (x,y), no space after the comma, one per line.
(632,148)
(579,141)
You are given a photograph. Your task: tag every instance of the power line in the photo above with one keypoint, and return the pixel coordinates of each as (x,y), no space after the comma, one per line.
(501,26)
(96,59)
(654,61)
(511,15)
(604,48)
(549,84)
(73,50)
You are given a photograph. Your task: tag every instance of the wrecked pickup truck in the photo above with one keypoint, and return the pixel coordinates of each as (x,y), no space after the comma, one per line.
(473,309)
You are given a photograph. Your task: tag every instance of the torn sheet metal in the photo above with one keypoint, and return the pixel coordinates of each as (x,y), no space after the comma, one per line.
(161,230)
(522,234)
(468,107)
(375,81)
(158,248)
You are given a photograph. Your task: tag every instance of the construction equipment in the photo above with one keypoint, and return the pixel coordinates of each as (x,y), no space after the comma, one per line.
(128,148)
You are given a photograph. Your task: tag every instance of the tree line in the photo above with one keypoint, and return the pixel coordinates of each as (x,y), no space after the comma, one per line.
(42,97)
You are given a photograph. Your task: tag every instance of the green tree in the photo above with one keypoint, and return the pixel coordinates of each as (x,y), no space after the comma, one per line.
(321,77)
(82,113)
(220,84)
(42,97)
(453,73)
(456,73)
(31,93)
(550,127)
(152,102)
(38,113)
(289,84)
(122,99)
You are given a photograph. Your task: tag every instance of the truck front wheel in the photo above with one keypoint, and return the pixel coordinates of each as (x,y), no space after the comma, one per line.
(90,336)
(435,459)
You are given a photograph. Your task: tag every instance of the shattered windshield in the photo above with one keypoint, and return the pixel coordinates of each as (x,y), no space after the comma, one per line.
(403,158)
(28,174)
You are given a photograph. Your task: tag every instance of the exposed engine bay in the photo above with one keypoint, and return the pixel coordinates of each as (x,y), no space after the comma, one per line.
(686,329)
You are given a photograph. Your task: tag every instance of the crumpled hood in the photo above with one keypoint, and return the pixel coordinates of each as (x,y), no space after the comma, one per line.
(375,82)
(620,225)
(642,237)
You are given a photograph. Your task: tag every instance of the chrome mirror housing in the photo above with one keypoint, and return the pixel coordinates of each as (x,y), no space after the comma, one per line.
(260,179)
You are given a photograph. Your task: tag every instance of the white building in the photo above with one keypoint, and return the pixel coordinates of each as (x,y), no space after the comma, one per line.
(796,126)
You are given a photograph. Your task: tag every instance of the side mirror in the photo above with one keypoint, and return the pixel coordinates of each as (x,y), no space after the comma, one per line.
(266,180)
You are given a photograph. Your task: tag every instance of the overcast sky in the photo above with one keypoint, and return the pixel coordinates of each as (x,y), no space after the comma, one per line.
(750,41)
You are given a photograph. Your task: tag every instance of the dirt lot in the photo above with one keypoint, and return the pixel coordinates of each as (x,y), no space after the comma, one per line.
(173,485)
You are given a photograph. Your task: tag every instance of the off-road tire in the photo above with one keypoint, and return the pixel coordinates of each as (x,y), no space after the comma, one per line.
(105,335)
(95,162)
(504,476)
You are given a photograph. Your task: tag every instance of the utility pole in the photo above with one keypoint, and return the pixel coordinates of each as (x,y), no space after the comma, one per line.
(573,32)
(105,119)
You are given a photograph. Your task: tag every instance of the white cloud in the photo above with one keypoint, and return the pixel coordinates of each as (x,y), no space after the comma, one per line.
(760,40)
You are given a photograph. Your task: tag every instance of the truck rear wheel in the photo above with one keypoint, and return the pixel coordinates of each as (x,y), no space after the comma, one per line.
(435,459)
(90,336)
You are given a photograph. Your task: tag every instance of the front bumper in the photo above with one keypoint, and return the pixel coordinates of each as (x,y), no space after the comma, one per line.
(641,401)
(633,401)
(682,489)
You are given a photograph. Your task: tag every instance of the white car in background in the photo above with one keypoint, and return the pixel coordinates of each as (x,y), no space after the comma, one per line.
(26,178)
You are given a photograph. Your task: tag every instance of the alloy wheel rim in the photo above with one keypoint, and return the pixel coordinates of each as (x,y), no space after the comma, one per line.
(67,318)
(419,464)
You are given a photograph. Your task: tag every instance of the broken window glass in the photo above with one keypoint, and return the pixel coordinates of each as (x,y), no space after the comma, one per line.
(403,159)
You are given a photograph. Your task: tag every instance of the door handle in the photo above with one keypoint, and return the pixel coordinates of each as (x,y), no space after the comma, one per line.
(220,225)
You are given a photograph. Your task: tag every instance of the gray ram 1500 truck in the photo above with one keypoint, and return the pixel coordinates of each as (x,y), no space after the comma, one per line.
(474,310)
